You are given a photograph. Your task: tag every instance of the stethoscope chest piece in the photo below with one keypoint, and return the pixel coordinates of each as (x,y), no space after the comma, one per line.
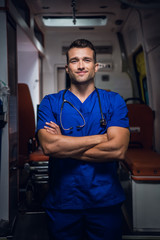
(103,122)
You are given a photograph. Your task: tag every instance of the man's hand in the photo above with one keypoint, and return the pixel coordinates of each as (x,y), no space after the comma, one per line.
(52,128)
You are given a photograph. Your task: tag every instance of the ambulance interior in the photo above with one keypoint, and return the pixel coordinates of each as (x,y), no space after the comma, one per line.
(126,34)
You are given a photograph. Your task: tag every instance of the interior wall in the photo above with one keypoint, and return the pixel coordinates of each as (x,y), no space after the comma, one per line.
(4,158)
(133,38)
(154,60)
(28,67)
(142,28)
(151,28)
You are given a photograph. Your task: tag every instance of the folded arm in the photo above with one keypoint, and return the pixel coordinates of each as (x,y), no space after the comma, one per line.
(95,148)
(55,144)
(111,150)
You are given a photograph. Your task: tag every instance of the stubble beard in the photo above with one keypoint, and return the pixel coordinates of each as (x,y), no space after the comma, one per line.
(79,81)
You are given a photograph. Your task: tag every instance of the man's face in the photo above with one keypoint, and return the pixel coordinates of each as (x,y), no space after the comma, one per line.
(81,67)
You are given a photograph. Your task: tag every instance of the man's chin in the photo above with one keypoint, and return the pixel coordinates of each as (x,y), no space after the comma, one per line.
(82,81)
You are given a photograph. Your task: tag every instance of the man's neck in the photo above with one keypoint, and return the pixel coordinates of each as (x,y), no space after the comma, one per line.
(82,91)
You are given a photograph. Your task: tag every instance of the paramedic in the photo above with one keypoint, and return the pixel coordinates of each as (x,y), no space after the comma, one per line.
(85,131)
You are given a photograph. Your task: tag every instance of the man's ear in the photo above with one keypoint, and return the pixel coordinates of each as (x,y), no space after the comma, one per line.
(66,67)
(96,67)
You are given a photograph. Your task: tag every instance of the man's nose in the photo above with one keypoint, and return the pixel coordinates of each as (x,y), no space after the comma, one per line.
(81,65)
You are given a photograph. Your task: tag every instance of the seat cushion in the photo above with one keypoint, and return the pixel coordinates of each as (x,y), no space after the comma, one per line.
(143,162)
(38,156)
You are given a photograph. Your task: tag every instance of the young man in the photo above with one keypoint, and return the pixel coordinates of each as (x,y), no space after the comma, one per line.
(85,132)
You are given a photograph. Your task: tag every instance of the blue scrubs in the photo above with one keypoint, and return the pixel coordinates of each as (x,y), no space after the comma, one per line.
(75,184)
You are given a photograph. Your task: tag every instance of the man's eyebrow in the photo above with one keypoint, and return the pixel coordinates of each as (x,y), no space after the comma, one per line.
(77,58)
(88,58)
(74,58)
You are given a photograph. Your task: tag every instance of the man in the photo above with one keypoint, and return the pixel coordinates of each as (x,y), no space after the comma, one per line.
(85,132)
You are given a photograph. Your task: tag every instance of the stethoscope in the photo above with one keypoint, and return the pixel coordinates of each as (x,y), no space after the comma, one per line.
(102,121)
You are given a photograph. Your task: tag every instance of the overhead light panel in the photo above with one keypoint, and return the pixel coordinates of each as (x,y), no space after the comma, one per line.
(81,21)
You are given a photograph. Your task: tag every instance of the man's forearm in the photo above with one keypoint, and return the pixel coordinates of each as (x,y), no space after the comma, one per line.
(101,153)
(95,148)
(111,150)
(65,146)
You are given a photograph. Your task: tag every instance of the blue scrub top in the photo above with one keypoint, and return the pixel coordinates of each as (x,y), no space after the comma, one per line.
(76,184)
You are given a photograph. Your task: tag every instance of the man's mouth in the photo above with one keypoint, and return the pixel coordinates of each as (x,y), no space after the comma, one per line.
(81,73)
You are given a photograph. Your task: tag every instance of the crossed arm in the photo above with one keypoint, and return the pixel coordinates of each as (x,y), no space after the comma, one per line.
(96,148)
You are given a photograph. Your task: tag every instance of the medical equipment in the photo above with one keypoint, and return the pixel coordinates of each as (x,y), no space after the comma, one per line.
(102,121)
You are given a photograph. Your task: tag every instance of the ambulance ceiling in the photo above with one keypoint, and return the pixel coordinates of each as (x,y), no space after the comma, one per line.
(115,12)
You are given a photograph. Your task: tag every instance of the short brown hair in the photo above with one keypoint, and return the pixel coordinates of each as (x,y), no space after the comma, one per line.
(81,43)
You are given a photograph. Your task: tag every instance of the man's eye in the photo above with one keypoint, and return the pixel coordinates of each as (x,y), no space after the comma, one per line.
(73,61)
(87,60)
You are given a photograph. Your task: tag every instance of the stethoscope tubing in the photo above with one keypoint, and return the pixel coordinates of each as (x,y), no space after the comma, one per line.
(102,121)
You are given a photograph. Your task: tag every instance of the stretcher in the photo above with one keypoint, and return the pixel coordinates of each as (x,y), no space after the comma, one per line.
(142,168)
(31,160)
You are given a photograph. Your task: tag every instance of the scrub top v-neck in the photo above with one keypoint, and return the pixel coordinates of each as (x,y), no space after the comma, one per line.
(75,184)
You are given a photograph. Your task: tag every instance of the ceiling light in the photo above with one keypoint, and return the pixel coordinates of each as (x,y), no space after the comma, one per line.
(81,21)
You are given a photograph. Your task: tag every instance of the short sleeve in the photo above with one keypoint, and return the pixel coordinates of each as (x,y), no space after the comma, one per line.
(119,113)
(45,112)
